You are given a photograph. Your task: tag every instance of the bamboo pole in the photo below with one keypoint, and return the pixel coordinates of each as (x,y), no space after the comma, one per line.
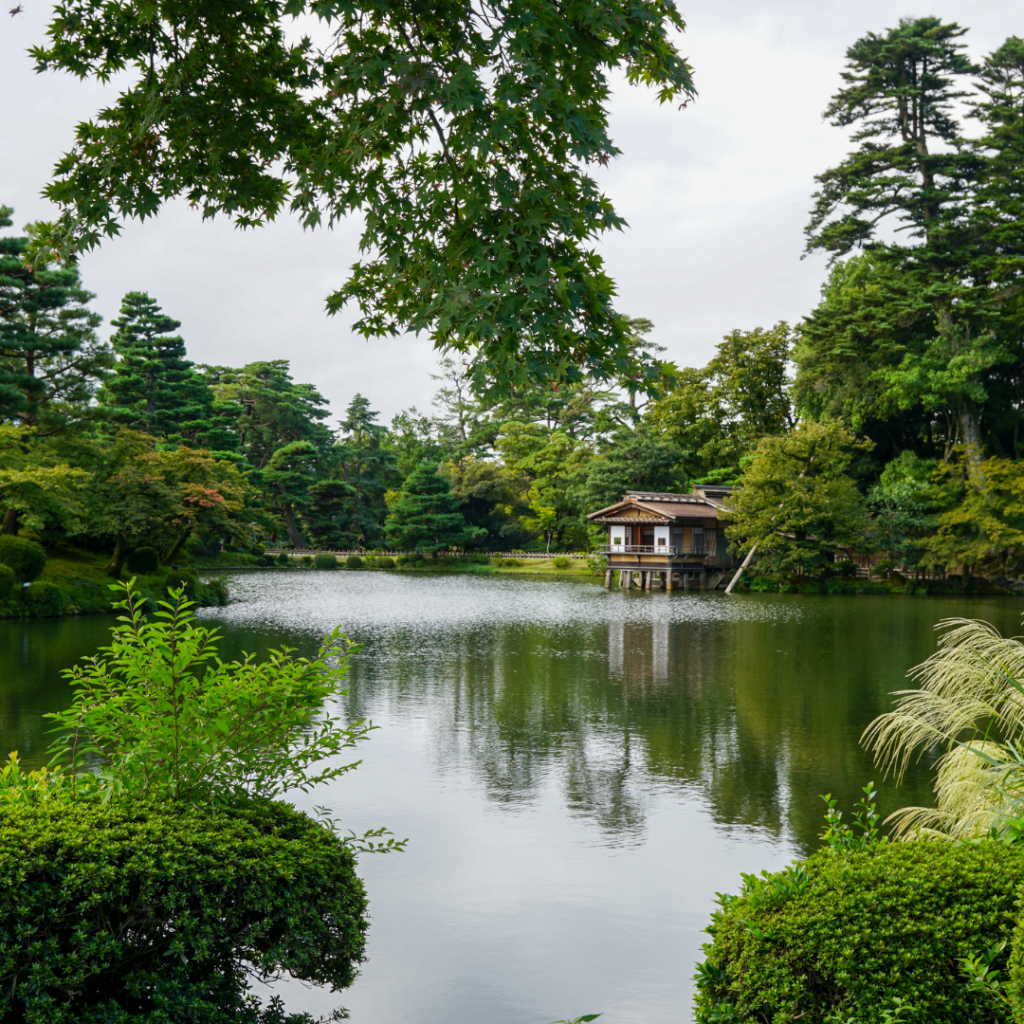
(739,571)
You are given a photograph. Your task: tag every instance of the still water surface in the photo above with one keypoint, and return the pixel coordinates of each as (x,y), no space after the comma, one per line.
(578,771)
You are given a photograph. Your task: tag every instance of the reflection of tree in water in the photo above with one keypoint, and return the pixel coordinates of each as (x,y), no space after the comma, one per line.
(757,717)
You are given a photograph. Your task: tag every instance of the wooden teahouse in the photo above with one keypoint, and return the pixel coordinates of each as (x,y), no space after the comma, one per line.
(669,538)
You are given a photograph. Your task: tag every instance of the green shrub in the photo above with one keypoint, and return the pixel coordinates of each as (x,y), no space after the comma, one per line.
(843,934)
(43,598)
(264,561)
(370,562)
(143,561)
(510,563)
(213,593)
(306,561)
(385,562)
(149,914)
(25,557)
(325,561)
(183,579)
(7,581)
(239,728)
(283,558)
(561,562)
(353,562)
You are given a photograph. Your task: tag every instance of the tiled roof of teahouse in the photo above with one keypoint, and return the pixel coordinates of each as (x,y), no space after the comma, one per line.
(668,506)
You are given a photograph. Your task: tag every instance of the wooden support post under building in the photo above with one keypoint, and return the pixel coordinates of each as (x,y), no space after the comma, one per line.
(607,579)
(703,579)
(668,581)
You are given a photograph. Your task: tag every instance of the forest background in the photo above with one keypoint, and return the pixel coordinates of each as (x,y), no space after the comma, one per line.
(887,422)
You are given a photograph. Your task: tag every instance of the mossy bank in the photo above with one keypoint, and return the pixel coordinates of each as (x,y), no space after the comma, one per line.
(68,581)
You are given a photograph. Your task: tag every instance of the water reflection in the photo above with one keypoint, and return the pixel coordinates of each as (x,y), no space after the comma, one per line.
(578,771)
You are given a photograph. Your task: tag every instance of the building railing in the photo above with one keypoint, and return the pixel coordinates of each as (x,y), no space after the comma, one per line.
(669,551)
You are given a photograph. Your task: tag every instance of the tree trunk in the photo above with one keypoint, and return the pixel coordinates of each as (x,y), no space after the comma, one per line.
(116,563)
(974,449)
(179,544)
(10,524)
(288,515)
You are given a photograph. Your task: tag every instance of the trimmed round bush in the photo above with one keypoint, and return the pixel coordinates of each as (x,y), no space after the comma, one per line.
(213,593)
(325,561)
(264,561)
(146,914)
(43,598)
(183,579)
(385,562)
(306,560)
(25,557)
(144,561)
(353,562)
(841,935)
(561,562)
(7,581)
(283,559)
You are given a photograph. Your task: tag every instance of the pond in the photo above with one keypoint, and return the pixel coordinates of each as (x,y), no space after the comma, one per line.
(577,771)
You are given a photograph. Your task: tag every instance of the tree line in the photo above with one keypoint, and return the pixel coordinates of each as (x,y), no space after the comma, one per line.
(888,420)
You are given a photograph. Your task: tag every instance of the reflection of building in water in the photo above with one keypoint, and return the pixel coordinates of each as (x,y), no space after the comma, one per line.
(659,654)
(616,649)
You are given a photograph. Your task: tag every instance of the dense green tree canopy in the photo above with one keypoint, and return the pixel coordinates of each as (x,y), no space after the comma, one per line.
(797,502)
(937,330)
(50,358)
(462,132)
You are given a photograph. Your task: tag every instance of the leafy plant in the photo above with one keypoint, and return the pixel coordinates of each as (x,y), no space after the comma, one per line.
(353,562)
(561,562)
(863,834)
(158,715)
(325,561)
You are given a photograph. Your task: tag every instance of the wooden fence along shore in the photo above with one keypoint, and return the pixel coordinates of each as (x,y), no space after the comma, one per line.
(380,553)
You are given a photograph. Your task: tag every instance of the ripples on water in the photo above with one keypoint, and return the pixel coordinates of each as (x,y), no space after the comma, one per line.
(578,771)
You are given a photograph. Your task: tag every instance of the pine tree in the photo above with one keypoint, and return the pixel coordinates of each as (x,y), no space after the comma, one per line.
(425,516)
(367,468)
(288,477)
(912,172)
(154,388)
(50,358)
(267,409)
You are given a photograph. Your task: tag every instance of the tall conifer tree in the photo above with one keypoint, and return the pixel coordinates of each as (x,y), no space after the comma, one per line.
(50,358)
(914,173)
(426,516)
(153,387)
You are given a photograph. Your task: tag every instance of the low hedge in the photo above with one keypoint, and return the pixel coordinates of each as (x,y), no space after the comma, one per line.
(120,914)
(43,598)
(25,557)
(325,561)
(842,935)
(353,562)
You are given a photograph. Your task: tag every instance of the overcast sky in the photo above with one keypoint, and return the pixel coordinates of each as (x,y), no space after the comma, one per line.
(716,197)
